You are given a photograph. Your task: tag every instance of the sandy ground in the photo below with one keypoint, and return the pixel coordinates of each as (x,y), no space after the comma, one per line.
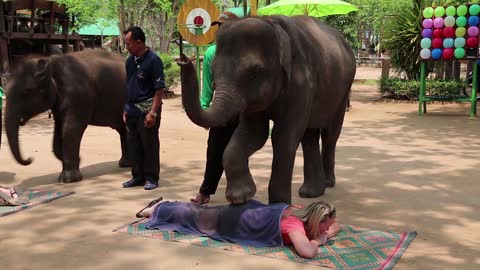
(395,171)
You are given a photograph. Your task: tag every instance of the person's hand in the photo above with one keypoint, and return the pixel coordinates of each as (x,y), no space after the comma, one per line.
(149,120)
(322,239)
(124,117)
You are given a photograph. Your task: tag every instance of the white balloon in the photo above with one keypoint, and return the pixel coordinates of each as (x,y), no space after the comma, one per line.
(449,21)
(425,53)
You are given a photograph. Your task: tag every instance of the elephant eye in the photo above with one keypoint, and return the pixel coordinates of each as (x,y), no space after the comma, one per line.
(254,72)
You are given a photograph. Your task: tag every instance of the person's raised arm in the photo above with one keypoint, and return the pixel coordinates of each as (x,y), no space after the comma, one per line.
(304,247)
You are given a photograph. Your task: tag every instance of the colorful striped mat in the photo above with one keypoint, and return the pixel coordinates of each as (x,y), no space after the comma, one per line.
(36,197)
(353,248)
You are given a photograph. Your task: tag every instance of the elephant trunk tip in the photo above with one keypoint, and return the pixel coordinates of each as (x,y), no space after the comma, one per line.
(25,162)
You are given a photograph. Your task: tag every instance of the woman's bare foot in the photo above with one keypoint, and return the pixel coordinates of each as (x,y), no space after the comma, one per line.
(148,210)
(9,191)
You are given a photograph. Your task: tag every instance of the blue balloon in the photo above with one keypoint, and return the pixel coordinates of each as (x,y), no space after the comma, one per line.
(473,20)
(448,43)
(436,54)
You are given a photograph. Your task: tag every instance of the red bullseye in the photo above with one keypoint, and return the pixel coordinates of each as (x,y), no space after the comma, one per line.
(198,20)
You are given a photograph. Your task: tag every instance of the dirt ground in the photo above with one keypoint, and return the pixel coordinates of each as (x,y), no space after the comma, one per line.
(395,171)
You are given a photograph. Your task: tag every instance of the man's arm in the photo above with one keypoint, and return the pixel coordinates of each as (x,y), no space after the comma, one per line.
(159,86)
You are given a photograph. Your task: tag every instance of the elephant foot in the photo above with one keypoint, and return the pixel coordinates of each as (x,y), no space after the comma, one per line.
(70,176)
(238,192)
(330,181)
(311,191)
(125,162)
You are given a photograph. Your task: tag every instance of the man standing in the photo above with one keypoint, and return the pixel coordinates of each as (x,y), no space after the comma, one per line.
(218,137)
(145,86)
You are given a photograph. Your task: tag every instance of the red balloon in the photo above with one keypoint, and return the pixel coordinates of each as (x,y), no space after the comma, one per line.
(437,43)
(447,54)
(449,32)
(438,33)
(472,42)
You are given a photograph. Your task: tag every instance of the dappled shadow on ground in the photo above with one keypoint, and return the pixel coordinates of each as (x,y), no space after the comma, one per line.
(395,171)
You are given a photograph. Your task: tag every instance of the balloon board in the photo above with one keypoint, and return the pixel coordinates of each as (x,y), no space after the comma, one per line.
(450,32)
(194,19)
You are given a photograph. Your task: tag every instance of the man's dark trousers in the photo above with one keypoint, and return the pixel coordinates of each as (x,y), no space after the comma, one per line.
(218,138)
(144,147)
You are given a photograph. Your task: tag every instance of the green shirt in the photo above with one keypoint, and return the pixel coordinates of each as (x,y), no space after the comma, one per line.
(207,78)
(1,97)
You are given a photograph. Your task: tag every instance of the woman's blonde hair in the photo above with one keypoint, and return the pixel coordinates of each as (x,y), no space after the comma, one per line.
(312,215)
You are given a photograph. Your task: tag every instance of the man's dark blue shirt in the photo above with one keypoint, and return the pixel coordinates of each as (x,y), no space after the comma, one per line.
(144,76)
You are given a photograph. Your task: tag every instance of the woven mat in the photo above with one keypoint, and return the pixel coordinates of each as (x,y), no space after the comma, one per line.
(353,248)
(36,197)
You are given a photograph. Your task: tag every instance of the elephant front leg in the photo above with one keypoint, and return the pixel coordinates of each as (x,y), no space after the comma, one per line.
(250,135)
(72,136)
(314,179)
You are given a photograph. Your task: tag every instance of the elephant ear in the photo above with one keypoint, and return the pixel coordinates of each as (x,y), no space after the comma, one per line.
(285,49)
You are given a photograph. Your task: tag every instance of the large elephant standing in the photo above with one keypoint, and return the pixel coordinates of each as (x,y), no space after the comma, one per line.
(81,89)
(295,71)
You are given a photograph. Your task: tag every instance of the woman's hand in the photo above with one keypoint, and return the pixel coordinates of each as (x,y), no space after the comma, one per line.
(322,239)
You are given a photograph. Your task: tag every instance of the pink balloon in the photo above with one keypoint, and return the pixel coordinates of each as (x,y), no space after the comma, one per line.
(473,31)
(427,23)
(438,22)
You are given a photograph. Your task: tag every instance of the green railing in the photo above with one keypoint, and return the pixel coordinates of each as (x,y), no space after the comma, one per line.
(424,98)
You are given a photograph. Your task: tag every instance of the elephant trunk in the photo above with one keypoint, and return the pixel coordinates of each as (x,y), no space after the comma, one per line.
(226,104)
(12,124)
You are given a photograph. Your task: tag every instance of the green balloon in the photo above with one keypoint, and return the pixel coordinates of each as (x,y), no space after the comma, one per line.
(459,53)
(428,12)
(461,21)
(439,11)
(474,9)
(451,11)
(460,32)
(462,10)
(426,43)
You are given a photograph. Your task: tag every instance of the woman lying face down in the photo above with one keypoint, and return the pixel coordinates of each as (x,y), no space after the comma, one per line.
(252,223)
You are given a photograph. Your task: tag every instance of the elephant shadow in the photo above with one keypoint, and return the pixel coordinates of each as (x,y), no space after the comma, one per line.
(89,172)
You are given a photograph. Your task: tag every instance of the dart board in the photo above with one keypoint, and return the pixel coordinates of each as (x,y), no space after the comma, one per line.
(194,19)
(450,32)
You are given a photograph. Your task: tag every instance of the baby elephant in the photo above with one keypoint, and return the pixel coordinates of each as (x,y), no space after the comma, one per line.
(298,73)
(82,88)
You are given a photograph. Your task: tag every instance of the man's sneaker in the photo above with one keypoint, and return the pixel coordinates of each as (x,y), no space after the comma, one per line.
(133,183)
(149,185)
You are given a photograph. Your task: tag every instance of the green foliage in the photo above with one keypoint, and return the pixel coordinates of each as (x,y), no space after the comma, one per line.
(171,71)
(88,12)
(409,89)
(402,39)
(345,24)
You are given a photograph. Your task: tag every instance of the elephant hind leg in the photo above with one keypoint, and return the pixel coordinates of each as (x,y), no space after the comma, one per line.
(125,160)
(57,138)
(329,143)
(314,178)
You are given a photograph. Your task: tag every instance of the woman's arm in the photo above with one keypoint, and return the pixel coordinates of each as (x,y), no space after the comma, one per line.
(305,247)
(333,230)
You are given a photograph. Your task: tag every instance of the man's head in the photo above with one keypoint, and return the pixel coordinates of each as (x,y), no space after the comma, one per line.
(224,16)
(135,41)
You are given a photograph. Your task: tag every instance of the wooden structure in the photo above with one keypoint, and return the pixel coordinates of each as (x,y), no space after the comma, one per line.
(33,27)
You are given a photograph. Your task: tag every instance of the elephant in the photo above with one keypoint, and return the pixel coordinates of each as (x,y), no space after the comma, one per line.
(82,88)
(295,71)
